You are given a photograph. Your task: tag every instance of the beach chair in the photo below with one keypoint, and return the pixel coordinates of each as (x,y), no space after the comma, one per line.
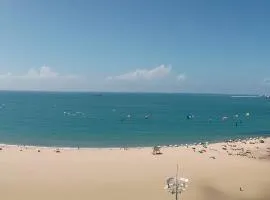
(156,150)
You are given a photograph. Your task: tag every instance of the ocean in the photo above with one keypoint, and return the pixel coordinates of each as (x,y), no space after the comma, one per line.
(128,119)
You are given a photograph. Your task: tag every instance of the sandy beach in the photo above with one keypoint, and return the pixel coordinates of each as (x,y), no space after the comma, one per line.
(215,171)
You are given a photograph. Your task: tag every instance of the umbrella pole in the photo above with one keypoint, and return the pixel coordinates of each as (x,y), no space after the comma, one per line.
(176,180)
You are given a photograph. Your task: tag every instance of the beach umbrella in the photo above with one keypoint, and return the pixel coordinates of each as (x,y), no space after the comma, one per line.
(176,185)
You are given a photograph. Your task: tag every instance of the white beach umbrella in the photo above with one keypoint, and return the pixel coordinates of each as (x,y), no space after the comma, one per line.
(175,185)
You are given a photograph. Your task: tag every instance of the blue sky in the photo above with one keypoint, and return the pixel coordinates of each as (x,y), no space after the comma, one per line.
(122,45)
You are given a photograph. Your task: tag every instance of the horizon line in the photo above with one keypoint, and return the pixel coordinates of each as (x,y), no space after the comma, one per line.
(130,92)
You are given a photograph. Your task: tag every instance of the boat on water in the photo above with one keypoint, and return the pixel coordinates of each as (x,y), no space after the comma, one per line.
(266,96)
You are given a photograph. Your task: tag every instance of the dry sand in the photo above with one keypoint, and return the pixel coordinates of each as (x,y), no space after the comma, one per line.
(136,174)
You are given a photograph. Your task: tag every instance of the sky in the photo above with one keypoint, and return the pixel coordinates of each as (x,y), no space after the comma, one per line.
(188,46)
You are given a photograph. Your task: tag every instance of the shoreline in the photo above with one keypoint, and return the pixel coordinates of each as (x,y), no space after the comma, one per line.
(252,148)
(135,147)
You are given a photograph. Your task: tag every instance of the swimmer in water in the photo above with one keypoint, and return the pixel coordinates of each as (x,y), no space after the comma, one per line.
(190,116)
(147,116)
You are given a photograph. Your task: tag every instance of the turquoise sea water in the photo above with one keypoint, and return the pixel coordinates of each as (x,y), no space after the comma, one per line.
(118,119)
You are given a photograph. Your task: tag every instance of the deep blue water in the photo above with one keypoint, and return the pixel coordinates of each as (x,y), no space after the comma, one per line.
(113,120)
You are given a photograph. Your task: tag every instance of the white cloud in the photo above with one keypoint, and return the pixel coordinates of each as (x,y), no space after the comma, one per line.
(158,79)
(181,77)
(144,74)
(43,78)
(43,72)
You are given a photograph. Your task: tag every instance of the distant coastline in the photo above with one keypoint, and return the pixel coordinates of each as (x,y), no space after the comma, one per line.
(246,96)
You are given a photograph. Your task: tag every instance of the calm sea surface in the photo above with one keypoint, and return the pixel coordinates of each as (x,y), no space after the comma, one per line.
(119,119)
